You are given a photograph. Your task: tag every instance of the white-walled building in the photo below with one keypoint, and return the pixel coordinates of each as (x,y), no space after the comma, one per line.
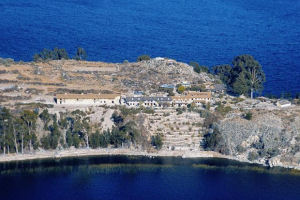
(283,103)
(88,99)
(197,98)
(185,84)
(147,101)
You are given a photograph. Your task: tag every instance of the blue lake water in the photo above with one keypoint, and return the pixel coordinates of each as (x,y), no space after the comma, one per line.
(121,177)
(208,31)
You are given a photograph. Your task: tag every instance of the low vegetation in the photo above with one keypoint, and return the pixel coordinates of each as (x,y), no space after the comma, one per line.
(223,110)
(248,116)
(58,54)
(214,141)
(156,141)
(198,68)
(142,58)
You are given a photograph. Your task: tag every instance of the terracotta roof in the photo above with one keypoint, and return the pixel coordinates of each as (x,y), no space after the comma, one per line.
(183,98)
(87,96)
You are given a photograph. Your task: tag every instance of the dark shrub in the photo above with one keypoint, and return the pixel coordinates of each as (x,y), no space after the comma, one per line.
(248,116)
(143,57)
(253,156)
(157,141)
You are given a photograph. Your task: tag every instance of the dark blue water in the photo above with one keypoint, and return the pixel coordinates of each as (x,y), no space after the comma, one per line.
(143,178)
(208,31)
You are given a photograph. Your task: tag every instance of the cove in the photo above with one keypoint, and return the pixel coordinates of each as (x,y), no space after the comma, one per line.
(138,177)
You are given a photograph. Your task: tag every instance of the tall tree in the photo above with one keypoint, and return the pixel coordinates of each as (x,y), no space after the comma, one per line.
(80,54)
(224,72)
(29,117)
(198,68)
(5,127)
(249,72)
(48,54)
(45,117)
(60,54)
(80,126)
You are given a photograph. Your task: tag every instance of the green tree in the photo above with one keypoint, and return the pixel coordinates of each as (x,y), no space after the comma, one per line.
(117,119)
(80,125)
(55,54)
(117,137)
(19,131)
(129,129)
(29,117)
(69,138)
(195,66)
(215,142)
(253,156)
(45,117)
(248,72)
(104,139)
(54,135)
(143,57)
(157,141)
(5,129)
(45,54)
(198,68)
(224,72)
(60,54)
(248,116)
(95,140)
(241,85)
(76,140)
(45,142)
(80,54)
(180,89)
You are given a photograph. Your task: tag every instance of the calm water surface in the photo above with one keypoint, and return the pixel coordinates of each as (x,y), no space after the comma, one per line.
(208,31)
(121,177)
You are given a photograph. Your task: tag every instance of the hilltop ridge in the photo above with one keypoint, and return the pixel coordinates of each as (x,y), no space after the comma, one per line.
(42,80)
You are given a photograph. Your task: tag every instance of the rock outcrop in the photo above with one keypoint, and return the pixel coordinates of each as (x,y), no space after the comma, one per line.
(271,137)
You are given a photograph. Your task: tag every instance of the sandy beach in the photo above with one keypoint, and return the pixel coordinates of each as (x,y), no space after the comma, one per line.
(108,151)
(127,152)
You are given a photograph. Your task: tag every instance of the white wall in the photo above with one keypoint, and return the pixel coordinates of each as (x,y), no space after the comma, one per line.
(107,102)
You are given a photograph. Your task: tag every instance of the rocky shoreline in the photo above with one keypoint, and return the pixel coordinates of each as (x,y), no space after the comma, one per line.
(131,152)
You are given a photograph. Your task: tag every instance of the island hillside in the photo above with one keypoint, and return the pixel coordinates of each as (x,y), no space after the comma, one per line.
(162,108)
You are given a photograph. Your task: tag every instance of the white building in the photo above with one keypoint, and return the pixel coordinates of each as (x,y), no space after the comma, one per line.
(283,103)
(88,99)
(185,84)
(198,98)
(154,102)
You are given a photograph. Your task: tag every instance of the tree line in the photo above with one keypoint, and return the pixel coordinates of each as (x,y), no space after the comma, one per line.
(20,132)
(245,75)
(59,54)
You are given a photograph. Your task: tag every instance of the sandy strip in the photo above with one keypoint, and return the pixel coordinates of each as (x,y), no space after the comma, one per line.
(121,151)
(93,152)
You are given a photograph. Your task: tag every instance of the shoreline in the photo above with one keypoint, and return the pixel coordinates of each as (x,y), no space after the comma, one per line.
(125,152)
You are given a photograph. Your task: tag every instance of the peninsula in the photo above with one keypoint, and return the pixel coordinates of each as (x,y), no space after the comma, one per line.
(153,107)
